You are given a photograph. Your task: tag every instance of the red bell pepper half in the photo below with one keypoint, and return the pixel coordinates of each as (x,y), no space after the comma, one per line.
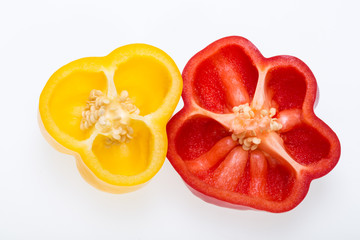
(247,137)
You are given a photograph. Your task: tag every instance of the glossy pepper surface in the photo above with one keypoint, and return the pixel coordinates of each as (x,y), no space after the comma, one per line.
(111,113)
(247,137)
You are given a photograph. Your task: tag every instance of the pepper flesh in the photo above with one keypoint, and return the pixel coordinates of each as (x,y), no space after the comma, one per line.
(222,168)
(111,113)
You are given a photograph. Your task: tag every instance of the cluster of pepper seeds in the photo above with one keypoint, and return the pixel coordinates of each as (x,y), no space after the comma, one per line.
(247,124)
(109,116)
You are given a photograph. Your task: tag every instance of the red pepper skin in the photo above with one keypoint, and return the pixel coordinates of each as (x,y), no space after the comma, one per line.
(228,73)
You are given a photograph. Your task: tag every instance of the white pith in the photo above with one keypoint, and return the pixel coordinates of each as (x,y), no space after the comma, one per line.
(249,123)
(109,116)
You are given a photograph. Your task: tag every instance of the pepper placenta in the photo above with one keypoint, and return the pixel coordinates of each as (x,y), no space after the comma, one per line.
(247,136)
(111,113)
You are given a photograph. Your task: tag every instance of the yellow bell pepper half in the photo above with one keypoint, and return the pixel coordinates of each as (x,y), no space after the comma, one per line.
(111,114)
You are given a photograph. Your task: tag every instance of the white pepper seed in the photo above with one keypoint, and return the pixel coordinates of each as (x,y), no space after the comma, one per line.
(253,147)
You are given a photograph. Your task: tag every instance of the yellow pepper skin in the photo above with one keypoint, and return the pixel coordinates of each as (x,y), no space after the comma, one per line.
(153,84)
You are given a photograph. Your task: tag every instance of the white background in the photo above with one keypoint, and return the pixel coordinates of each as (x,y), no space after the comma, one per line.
(42,195)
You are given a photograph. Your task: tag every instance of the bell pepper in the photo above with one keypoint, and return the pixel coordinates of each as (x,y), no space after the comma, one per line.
(111,113)
(247,136)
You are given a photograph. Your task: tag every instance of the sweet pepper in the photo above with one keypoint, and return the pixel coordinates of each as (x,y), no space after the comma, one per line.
(110,113)
(247,136)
